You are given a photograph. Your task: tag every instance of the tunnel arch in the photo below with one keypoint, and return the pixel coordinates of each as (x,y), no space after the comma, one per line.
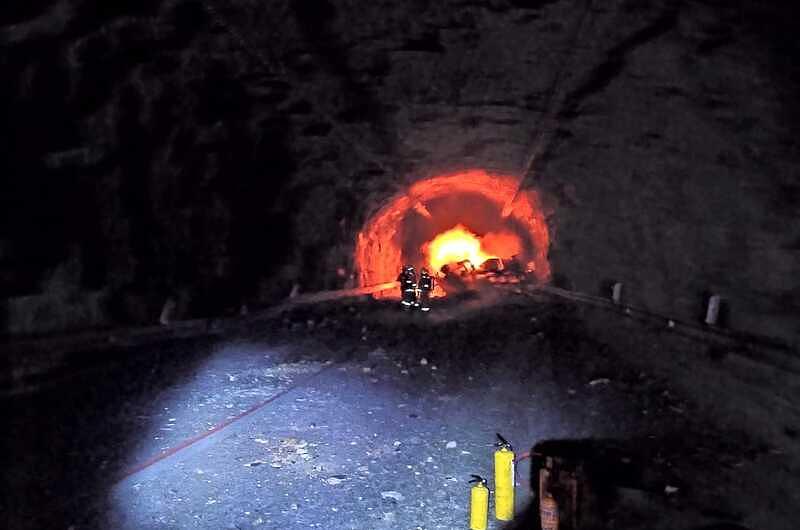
(379,253)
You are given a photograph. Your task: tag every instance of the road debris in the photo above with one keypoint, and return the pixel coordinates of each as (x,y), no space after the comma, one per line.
(394,495)
(670,490)
(377,354)
(335,480)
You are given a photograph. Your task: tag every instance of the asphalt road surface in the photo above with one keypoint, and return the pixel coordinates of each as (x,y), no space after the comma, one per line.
(348,417)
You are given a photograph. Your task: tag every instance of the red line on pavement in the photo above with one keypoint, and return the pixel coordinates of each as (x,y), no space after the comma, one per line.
(216,428)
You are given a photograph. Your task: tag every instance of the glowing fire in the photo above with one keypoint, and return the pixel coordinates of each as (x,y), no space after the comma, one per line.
(452,246)
(378,253)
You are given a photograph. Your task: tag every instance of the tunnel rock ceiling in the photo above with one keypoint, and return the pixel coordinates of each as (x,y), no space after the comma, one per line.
(224,152)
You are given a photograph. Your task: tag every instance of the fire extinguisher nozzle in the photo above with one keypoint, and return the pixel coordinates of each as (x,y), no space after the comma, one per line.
(502,442)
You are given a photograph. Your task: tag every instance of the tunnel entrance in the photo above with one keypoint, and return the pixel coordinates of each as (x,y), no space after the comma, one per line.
(470,215)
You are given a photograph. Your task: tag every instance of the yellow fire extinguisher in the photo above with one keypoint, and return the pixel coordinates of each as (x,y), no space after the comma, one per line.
(503,480)
(478,504)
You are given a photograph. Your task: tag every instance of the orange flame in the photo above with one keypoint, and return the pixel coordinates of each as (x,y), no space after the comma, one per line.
(502,244)
(454,245)
(378,255)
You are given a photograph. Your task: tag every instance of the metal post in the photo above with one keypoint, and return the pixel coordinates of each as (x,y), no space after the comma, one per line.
(712,312)
(616,293)
(167,311)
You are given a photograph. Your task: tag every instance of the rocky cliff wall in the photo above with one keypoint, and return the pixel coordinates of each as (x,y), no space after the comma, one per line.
(225,151)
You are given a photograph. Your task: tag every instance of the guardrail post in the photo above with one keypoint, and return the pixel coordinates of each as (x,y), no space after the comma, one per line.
(712,312)
(167,311)
(616,293)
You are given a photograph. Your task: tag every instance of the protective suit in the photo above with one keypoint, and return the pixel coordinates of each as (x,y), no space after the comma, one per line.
(408,287)
(425,290)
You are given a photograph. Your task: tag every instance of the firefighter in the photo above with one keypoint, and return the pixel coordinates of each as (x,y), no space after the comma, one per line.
(425,289)
(408,287)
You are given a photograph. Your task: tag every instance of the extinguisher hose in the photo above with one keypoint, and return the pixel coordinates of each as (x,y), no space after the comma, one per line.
(522,456)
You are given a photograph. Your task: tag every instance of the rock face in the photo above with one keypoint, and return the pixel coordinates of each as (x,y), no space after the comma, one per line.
(224,151)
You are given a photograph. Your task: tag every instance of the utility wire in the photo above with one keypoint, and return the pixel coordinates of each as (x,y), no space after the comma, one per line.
(553,104)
